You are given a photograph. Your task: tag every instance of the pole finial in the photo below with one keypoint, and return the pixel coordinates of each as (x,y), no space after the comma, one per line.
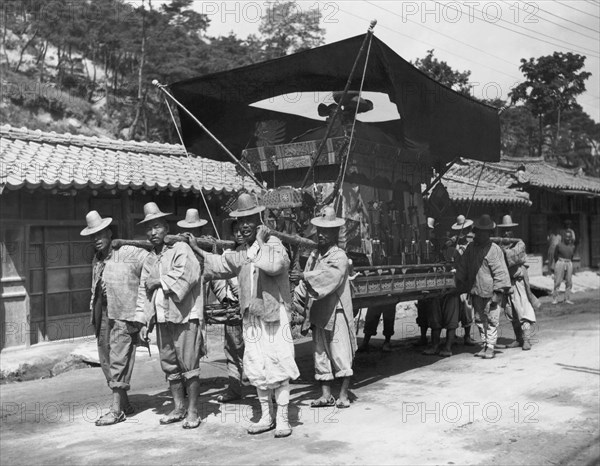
(372,24)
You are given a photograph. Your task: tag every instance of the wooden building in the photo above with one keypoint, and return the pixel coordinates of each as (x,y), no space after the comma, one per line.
(457,195)
(556,195)
(48,182)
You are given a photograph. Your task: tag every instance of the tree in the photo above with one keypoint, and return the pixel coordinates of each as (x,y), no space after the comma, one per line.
(518,129)
(552,84)
(109,52)
(166,45)
(227,52)
(285,28)
(579,139)
(444,74)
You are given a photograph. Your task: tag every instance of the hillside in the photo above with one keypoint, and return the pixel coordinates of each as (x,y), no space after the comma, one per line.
(87,67)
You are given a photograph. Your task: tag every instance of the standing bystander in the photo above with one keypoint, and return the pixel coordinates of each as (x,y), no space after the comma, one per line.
(563,266)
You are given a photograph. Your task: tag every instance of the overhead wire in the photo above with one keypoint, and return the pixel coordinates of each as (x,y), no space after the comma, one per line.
(512,76)
(560,26)
(590,52)
(381,26)
(440,33)
(577,9)
(445,35)
(432,45)
(568,21)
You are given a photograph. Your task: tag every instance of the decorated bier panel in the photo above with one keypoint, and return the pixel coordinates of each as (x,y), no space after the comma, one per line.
(401,284)
(371,160)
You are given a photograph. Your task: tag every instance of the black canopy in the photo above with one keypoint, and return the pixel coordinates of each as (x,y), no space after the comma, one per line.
(433,116)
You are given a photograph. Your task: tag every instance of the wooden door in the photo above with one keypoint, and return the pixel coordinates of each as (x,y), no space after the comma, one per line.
(60,274)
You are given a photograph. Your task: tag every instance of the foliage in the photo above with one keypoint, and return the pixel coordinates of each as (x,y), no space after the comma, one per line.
(578,142)
(552,84)
(444,74)
(107,52)
(286,29)
(519,132)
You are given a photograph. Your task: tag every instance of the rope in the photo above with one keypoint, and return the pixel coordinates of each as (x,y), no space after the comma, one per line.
(323,142)
(362,81)
(472,197)
(500,111)
(193,168)
(211,135)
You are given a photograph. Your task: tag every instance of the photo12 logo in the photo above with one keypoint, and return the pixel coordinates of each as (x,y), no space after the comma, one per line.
(469,412)
(273,12)
(53,412)
(454,12)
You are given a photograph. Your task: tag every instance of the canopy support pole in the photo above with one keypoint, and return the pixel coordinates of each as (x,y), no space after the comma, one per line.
(337,109)
(439,177)
(193,167)
(340,188)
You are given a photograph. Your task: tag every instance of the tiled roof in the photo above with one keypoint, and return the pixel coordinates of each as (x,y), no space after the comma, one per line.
(36,159)
(537,172)
(461,189)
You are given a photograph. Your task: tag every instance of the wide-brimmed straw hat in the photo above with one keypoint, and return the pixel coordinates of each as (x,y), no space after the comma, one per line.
(152,212)
(507,222)
(95,223)
(327,219)
(462,223)
(484,222)
(192,220)
(246,205)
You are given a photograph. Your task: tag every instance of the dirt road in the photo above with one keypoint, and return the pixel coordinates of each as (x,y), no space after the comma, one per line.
(536,407)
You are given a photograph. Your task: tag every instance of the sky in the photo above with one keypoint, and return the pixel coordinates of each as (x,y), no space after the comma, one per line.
(489,38)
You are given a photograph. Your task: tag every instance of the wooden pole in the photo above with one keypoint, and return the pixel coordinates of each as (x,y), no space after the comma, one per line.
(208,242)
(233,158)
(498,240)
(337,108)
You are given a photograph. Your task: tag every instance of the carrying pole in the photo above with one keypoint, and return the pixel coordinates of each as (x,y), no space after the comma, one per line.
(234,159)
(207,242)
